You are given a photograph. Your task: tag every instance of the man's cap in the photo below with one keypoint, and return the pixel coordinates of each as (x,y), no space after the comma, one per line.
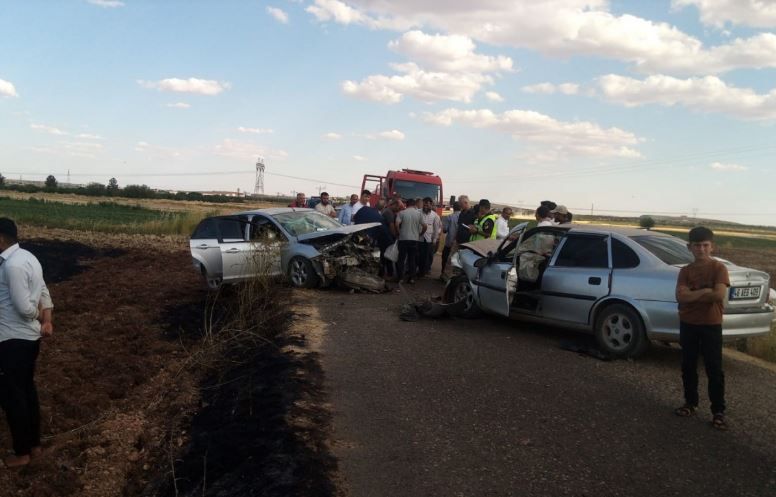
(561,209)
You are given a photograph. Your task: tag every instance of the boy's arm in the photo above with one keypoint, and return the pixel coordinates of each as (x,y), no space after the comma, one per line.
(721,284)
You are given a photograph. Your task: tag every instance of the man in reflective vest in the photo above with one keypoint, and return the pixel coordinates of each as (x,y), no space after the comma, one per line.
(485,224)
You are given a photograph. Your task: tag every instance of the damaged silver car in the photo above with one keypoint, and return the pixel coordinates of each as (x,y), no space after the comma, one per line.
(310,249)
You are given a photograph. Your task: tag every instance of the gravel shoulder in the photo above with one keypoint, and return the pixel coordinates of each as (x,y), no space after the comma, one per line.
(493,407)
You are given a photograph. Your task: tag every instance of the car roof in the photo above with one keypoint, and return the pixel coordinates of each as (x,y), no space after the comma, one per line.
(628,231)
(274,211)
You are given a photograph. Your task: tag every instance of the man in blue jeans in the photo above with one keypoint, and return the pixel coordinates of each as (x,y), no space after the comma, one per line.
(25,316)
(410,226)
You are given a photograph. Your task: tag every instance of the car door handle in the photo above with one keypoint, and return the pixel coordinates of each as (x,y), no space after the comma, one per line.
(204,245)
(503,275)
(594,280)
(232,251)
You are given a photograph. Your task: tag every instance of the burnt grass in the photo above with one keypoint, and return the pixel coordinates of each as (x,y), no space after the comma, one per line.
(259,428)
(243,439)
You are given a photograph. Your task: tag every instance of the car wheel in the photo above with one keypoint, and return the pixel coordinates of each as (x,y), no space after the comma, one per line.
(620,332)
(301,273)
(212,282)
(460,291)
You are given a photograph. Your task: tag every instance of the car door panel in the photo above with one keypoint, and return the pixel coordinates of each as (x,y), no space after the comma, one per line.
(577,277)
(497,281)
(235,249)
(204,247)
(267,243)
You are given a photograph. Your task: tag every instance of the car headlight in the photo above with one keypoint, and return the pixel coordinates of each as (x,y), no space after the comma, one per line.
(772,297)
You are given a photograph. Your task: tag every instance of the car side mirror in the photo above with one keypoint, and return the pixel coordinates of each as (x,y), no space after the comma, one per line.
(481,263)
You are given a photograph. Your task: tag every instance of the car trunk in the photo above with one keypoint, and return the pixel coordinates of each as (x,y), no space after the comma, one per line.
(749,288)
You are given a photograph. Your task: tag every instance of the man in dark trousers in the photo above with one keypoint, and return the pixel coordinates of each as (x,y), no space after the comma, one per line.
(25,316)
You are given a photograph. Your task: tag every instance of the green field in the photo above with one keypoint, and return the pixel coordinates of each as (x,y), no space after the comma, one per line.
(106,217)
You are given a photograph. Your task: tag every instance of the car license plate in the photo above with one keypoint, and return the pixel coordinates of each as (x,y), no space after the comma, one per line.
(744,292)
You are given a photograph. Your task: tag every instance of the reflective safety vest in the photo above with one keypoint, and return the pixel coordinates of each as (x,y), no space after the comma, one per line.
(481,221)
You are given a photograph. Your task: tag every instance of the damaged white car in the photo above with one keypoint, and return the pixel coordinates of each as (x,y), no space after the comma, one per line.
(309,248)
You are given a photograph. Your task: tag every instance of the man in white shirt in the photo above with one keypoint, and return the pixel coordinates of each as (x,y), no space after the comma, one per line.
(25,316)
(325,207)
(366,195)
(502,223)
(429,240)
(346,212)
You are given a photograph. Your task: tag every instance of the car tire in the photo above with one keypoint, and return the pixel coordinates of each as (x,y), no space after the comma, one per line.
(460,289)
(212,282)
(620,332)
(301,273)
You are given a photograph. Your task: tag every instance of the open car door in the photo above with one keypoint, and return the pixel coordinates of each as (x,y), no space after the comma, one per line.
(497,276)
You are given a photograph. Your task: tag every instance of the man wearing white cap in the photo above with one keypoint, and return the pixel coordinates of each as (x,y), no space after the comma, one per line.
(561,214)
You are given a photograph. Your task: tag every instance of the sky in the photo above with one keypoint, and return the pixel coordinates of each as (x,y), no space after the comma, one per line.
(611,107)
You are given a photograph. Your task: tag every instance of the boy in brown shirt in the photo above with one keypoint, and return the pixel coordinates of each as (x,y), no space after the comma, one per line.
(700,290)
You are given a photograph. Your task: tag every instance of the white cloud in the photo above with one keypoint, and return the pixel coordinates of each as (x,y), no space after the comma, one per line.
(7,89)
(549,88)
(245,151)
(82,149)
(451,54)
(493,96)
(48,129)
(719,166)
(706,94)
(255,131)
(158,151)
(278,14)
(179,105)
(332,136)
(191,85)
(442,68)
(108,4)
(561,28)
(393,134)
(89,136)
(754,13)
(359,158)
(547,135)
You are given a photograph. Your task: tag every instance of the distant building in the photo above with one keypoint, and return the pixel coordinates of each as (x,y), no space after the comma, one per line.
(217,193)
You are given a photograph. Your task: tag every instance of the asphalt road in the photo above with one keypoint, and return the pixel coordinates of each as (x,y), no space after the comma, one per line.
(493,407)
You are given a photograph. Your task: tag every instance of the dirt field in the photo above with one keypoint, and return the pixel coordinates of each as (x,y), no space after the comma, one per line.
(126,411)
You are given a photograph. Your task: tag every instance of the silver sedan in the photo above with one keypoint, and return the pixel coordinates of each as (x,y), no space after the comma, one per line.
(618,283)
(307,247)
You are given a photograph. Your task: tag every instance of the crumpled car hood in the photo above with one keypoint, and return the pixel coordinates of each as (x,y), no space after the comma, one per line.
(343,230)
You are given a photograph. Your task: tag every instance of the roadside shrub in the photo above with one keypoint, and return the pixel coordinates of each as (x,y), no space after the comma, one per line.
(646,222)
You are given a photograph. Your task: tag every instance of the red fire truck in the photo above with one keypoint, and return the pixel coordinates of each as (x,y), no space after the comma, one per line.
(408,183)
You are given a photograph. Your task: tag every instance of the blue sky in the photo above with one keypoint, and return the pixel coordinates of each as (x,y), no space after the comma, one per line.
(631,107)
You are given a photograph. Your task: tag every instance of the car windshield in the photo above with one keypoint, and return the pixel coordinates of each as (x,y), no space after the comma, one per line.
(413,189)
(301,223)
(668,249)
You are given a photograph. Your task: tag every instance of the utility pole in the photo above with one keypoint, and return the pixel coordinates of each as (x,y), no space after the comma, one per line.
(258,188)
(695,213)
(68,177)
(320,188)
(591,209)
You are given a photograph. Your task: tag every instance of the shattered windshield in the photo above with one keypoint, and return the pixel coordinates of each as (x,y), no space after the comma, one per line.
(667,248)
(301,223)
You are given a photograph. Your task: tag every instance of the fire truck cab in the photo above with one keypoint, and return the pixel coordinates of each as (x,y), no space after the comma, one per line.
(407,183)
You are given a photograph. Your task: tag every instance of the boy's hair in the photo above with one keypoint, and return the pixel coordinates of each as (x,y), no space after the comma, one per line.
(701,234)
(543,211)
(410,202)
(366,192)
(485,203)
(456,206)
(429,200)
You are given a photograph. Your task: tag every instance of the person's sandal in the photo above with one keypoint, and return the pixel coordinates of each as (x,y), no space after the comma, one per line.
(685,411)
(718,422)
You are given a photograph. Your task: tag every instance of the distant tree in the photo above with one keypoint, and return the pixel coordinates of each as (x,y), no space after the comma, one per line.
(2,180)
(95,189)
(113,187)
(137,191)
(51,182)
(646,222)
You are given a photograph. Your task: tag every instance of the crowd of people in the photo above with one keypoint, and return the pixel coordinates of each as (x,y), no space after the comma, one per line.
(416,228)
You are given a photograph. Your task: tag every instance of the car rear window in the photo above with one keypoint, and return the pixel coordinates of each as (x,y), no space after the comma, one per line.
(668,249)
